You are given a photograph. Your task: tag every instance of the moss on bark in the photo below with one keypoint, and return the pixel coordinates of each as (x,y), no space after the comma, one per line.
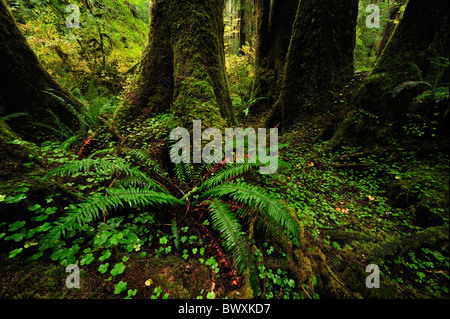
(421,36)
(14,152)
(274,28)
(320,58)
(23,81)
(183,68)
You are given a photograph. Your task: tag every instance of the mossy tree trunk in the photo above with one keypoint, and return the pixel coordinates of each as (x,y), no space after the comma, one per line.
(420,38)
(319,60)
(14,152)
(274,28)
(183,67)
(242,23)
(395,15)
(24,84)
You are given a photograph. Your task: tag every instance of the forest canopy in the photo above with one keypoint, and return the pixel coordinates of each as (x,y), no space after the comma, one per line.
(134,137)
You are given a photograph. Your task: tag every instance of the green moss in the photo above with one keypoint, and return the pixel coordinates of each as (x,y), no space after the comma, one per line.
(183,68)
(13,150)
(196,101)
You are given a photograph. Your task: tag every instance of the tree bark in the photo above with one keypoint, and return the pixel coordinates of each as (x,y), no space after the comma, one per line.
(319,60)
(183,68)
(242,24)
(274,28)
(395,15)
(24,85)
(421,37)
(14,152)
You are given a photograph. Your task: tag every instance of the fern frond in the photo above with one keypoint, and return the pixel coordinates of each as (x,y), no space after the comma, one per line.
(147,160)
(227,173)
(274,211)
(12,116)
(56,97)
(234,240)
(62,128)
(84,166)
(409,85)
(105,167)
(106,150)
(79,115)
(184,173)
(68,142)
(134,182)
(85,213)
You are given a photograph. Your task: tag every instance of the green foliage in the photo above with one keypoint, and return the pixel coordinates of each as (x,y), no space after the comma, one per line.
(368,39)
(221,193)
(234,239)
(426,111)
(105,48)
(244,102)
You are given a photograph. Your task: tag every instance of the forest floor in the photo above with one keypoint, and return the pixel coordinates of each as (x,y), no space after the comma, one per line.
(386,206)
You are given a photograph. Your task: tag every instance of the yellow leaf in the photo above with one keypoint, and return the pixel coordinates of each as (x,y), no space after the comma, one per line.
(371,198)
(149,282)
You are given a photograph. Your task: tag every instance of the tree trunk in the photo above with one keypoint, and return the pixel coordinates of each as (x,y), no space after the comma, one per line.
(24,85)
(319,60)
(242,24)
(14,152)
(420,38)
(183,68)
(274,28)
(395,15)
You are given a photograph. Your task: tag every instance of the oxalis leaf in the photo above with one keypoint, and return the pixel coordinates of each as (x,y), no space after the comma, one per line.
(118,269)
(120,287)
(15,252)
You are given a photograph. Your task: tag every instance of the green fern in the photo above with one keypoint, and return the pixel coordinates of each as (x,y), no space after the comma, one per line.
(219,191)
(85,213)
(105,167)
(234,239)
(230,172)
(12,116)
(272,210)
(147,161)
